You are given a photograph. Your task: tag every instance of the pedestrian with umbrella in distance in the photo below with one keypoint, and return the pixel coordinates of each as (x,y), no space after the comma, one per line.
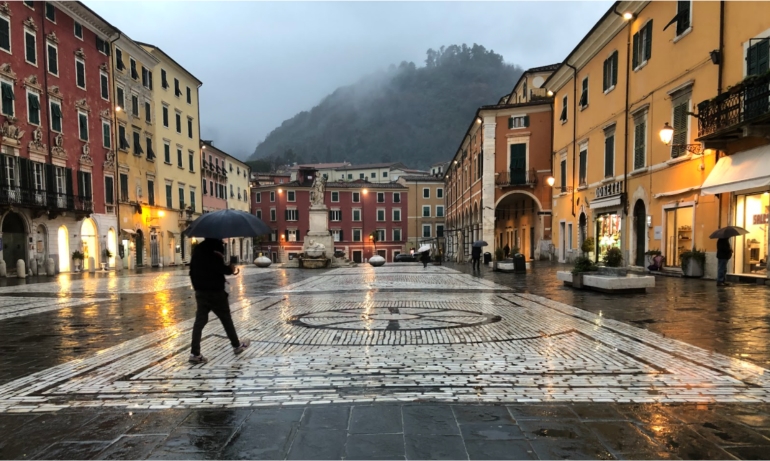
(424,251)
(476,254)
(724,250)
(208,269)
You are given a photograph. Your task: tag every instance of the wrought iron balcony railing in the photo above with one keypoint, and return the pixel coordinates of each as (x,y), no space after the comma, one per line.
(516,177)
(35,198)
(536,94)
(747,102)
(85,204)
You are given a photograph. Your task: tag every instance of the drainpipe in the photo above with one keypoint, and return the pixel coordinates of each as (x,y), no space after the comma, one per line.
(721,45)
(574,131)
(45,89)
(115,143)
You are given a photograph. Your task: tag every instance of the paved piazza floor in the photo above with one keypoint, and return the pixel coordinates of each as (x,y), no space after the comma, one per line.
(368,363)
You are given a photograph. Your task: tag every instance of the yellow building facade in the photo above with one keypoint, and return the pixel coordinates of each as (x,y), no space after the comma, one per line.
(134,135)
(426,212)
(645,66)
(177,148)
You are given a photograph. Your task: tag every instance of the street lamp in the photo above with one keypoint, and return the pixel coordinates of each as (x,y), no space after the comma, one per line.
(667,135)
(550,181)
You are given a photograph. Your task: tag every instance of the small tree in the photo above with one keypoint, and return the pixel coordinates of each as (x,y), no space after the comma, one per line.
(587,246)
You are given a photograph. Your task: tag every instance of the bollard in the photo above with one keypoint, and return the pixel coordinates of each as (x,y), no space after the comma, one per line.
(33,266)
(50,267)
(21,270)
(91,264)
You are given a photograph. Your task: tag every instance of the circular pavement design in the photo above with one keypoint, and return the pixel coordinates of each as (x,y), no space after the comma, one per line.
(392,318)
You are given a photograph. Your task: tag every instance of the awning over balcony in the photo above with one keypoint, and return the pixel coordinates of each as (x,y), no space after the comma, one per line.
(744,170)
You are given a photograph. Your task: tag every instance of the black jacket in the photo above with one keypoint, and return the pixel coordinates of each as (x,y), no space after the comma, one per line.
(208,269)
(476,252)
(724,251)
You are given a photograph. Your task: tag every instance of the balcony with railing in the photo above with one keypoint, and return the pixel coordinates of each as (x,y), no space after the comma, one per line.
(84,204)
(516,177)
(742,107)
(538,94)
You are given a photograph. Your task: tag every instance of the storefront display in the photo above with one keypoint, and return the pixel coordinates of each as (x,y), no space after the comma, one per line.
(751,250)
(679,234)
(607,233)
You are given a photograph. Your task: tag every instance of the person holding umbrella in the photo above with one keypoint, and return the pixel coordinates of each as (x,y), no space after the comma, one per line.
(724,250)
(476,253)
(208,269)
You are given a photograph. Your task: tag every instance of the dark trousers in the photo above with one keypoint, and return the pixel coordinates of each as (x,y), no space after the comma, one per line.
(477,263)
(217,302)
(722,270)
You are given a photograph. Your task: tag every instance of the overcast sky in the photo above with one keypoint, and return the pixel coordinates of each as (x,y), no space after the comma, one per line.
(263,62)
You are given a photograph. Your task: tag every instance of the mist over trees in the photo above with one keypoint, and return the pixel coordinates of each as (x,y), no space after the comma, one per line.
(415,115)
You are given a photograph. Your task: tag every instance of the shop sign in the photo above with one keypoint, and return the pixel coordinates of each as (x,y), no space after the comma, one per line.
(658,232)
(760,219)
(608,190)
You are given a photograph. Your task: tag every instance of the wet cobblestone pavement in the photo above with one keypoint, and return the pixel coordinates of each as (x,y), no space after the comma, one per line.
(389,363)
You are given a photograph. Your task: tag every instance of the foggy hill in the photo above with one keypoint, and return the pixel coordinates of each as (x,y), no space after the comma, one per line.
(415,115)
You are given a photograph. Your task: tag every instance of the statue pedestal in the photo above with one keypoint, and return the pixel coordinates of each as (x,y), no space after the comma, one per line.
(319,231)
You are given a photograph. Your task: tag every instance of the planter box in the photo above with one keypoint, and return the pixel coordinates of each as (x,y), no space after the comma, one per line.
(694,269)
(577,280)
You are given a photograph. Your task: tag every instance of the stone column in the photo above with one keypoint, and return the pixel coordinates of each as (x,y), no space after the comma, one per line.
(488,185)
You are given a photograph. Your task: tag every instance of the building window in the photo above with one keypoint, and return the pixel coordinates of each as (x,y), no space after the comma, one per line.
(439,230)
(292,215)
(165,116)
(335,215)
(177,91)
(583,168)
(439,193)
(137,143)
(189,127)
(121,98)
(56,116)
(610,73)
(109,190)
(151,192)
(135,105)
(147,112)
(563,116)
(350,176)
(273,215)
(134,72)
(426,211)
(30,43)
(178,123)
(640,144)
(53,59)
(360,176)
(106,132)
(189,95)
(396,214)
(518,122)
(258,196)
(5,34)
(683,16)
(439,211)
(380,215)
(356,214)
(50,12)
(396,197)
(396,235)
(758,57)
(33,108)
(426,193)
(163,79)
(78,30)
(681,136)
(356,235)
(335,196)
(384,174)
(122,141)
(272,196)
(181,197)
(584,94)
(336,235)
(191,160)
(379,235)
(150,151)
(259,214)
(380,197)
(80,74)
(179,157)
(642,45)
(563,175)
(119,59)
(291,195)
(105,86)
(192,198)
(426,231)
(84,185)
(373,174)
(167,153)
(356,197)
(169,200)
(609,154)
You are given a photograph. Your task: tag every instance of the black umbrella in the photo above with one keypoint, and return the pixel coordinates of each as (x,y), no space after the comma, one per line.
(727,232)
(480,243)
(227,224)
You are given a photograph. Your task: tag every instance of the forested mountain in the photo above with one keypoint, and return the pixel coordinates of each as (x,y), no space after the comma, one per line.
(415,115)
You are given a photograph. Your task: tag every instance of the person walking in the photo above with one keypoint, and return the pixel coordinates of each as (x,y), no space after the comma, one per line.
(476,258)
(425,258)
(724,253)
(207,272)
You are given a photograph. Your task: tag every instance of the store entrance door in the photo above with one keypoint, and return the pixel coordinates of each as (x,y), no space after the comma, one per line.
(679,235)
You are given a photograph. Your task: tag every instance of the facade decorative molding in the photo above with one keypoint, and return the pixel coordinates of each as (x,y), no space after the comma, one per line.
(11,133)
(55,92)
(6,71)
(36,144)
(106,114)
(58,150)
(32,82)
(52,37)
(80,53)
(30,23)
(82,104)
(103,66)
(85,158)
(109,160)
(5,9)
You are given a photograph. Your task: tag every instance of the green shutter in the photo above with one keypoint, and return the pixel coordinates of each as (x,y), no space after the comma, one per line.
(648,41)
(81,74)
(68,180)
(526,124)
(29,40)
(87,183)
(583,166)
(609,156)
(34,109)
(635,60)
(53,62)
(680,128)
(109,192)
(757,58)
(83,123)
(510,122)
(563,168)
(639,144)
(606,74)
(24,167)
(106,135)
(5,35)
(614,68)
(518,164)
(8,97)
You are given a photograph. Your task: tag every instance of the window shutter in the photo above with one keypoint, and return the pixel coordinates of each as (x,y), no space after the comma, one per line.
(526,122)
(606,74)
(609,156)
(583,165)
(648,41)
(30,43)
(286,234)
(87,179)
(680,127)
(296,214)
(109,192)
(510,122)
(563,115)
(80,183)
(286,215)
(683,16)
(68,180)
(5,36)
(584,98)
(635,61)
(149,73)
(563,168)
(341,237)
(614,68)
(2,169)
(639,142)
(330,215)
(50,179)
(52,61)
(24,173)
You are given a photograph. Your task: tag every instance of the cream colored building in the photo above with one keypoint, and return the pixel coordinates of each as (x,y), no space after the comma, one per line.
(426,211)
(177,146)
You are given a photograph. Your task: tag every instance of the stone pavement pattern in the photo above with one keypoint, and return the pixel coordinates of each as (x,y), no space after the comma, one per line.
(392,362)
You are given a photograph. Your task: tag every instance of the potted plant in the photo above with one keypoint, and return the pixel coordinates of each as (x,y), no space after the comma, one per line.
(499,256)
(693,262)
(588,247)
(77,257)
(106,255)
(582,265)
(613,257)
(648,255)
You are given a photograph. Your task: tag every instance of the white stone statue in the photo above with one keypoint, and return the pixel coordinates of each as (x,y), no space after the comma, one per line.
(317,190)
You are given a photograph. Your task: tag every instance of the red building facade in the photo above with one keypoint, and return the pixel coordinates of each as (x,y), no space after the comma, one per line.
(57,163)
(364,218)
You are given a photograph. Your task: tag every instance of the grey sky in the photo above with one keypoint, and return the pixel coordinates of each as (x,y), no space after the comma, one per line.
(263,62)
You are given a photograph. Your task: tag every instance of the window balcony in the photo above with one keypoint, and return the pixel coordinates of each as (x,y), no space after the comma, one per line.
(84,204)
(516,177)
(737,112)
(539,94)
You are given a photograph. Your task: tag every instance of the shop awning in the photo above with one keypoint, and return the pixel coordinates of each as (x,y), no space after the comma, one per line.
(675,192)
(605,202)
(744,170)
(128,231)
